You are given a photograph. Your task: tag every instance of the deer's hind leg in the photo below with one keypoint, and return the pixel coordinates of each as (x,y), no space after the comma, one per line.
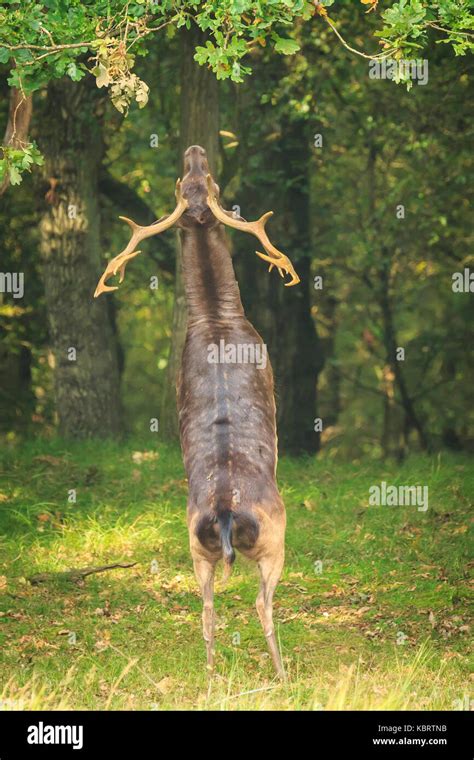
(270,565)
(205,570)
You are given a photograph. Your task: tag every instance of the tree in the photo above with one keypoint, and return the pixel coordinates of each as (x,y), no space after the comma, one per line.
(199,125)
(81,335)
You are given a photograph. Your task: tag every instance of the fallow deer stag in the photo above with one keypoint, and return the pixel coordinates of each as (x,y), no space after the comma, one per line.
(226,409)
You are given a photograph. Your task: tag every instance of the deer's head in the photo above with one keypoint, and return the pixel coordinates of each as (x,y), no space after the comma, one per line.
(194,188)
(197,204)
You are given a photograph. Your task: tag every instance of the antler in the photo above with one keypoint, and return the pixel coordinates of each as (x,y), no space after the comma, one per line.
(139,233)
(274,256)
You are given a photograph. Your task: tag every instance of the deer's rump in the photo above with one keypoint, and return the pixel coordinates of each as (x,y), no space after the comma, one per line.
(223,531)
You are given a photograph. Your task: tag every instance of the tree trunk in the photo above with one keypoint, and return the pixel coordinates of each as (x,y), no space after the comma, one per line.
(283,315)
(16,394)
(328,311)
(412,420)
(81,337)
(18,124)
(199,126)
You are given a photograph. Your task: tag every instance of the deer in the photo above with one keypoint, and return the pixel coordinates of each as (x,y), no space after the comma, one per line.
(226,409)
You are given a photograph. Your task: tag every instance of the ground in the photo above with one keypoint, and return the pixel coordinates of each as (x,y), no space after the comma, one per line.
(371,612)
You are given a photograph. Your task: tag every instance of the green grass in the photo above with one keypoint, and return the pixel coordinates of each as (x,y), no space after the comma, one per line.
(131,638)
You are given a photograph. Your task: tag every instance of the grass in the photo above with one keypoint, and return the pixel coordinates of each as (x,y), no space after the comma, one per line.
(371,612)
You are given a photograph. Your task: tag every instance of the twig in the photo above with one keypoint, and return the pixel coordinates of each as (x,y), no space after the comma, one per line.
(115,685)
(448,31)
(52,48)
(46,31)
(364,387)
(76,574)
(376,57)
(143,672)
(245,693)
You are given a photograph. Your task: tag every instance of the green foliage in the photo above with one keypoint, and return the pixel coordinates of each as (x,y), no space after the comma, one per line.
(408,22)
(286,46)
(50,40)
(16,161)
(44,41)
(237,26)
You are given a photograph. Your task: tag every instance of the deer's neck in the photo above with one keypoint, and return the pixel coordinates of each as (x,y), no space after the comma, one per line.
(209,280)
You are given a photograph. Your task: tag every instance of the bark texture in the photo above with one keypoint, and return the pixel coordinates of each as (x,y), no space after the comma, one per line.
(81,335)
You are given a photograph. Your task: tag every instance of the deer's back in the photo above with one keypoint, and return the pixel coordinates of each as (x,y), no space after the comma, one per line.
(227,416)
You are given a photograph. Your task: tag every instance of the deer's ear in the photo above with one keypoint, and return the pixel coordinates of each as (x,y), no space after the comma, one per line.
(213,188)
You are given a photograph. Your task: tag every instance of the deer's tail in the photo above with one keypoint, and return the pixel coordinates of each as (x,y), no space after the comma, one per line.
(225,520)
